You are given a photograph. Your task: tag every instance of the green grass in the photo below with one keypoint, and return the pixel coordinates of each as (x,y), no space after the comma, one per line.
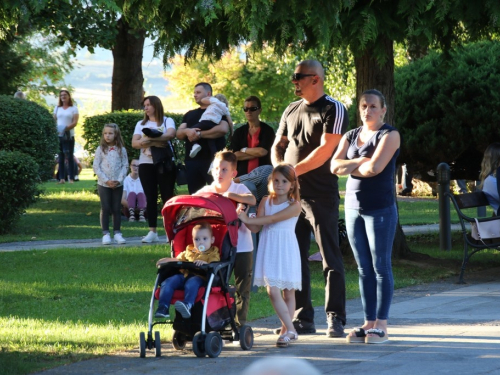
(66,305)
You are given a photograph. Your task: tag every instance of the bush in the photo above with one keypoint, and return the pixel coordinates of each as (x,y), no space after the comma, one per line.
(29,128)
(447,109)
(19,179)
(126,120)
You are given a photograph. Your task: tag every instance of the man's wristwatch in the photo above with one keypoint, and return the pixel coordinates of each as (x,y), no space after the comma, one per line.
(244,150)
(198,133)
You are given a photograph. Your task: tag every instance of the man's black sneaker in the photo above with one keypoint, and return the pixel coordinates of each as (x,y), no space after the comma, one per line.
(335,326)
(162,313)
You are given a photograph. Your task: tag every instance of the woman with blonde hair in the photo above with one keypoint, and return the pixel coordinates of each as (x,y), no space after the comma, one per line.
(489,175)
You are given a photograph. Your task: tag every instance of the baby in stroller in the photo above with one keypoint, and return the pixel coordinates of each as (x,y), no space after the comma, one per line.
(200,252)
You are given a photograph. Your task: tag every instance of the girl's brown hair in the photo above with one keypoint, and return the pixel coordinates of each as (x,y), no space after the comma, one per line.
(490,163)
(289,173)
(118,138)
(70,101)
(158,106)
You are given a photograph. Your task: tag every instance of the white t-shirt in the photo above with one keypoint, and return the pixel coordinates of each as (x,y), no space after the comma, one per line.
(168,123)
(64,118)
(245,243)
(132,186)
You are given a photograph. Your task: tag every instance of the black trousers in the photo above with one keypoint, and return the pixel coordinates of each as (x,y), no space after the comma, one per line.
(66,150)
(151,179)
(321,216)
(110,205)
(196,174)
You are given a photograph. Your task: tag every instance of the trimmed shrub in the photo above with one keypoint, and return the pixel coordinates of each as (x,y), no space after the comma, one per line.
(126,120)
(29,128)
(19,179)
(447,109)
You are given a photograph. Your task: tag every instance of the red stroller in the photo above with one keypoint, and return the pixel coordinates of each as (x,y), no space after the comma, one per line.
(212,317)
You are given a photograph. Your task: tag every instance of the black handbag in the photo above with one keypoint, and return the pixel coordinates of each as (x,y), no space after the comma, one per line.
(181,174)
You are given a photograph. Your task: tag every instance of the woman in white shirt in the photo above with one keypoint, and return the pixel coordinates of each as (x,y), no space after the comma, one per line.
(153,175)
(66,116)
(490,167)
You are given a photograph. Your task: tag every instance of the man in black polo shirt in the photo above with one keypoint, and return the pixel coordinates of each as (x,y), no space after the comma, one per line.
(308,134)
(197,167)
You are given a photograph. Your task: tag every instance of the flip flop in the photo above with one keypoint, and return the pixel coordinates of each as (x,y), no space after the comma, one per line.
(284,340)
(380,337)
(359,336)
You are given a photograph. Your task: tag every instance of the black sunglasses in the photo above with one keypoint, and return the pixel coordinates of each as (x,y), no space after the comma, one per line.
(299,76)
(251,109)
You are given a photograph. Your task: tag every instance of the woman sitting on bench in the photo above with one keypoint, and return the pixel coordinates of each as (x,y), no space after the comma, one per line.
(490,167)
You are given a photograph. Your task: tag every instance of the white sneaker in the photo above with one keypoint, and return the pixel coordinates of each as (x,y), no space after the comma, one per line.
(106,239)
(194,150)
(150,237)
(119,239)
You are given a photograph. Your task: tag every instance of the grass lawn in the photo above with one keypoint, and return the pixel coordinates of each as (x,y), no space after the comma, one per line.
(66,305)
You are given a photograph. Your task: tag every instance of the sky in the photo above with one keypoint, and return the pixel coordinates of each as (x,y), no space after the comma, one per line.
(91,77)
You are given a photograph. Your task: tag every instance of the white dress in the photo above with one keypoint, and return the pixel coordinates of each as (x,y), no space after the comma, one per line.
(278,255)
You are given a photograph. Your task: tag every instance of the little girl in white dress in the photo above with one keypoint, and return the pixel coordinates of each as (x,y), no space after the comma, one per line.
(278,258)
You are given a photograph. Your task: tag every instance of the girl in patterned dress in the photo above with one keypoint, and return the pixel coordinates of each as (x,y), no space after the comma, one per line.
(278,258)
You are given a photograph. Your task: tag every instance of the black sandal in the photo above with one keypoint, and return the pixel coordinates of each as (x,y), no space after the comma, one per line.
(359,336)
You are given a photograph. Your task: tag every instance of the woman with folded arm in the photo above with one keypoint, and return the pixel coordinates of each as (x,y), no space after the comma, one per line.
(490,167)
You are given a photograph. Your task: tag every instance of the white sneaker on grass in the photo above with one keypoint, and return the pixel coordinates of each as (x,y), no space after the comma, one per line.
(119,239)
(150,237)
(194,150)
(106,239)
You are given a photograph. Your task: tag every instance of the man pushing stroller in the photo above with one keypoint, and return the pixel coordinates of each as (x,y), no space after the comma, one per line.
(200,252)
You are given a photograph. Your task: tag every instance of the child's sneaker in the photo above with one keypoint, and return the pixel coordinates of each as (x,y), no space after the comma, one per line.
(184,309)
(132,215)
(106,239)
(119,239)
(142,218)
(150,237)
(162,313)
(194,150)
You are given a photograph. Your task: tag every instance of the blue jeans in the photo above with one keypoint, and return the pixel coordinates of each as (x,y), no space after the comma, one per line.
(371,235)
(190,285)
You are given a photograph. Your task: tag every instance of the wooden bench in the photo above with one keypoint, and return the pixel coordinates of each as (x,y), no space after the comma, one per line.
(471,245)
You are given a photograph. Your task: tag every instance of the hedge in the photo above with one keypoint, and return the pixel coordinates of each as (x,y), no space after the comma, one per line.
(447,108)
(19,186)
(29,128)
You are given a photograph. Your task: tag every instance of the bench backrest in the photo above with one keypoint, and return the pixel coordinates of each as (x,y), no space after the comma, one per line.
(470,200)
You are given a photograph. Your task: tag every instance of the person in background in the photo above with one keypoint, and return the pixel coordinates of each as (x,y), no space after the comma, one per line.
(256,181)
(368,155)
(77,166)
(197,167)
(110,166)
(490,167)
(252,142)
(19,95)
(134,199)
(154,175)
(66,116)
(309,132)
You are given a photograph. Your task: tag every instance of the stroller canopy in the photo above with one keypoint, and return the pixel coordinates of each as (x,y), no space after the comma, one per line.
(184,209)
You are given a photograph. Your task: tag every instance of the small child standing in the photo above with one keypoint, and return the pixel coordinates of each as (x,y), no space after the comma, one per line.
(201,252)
(110,166)
(278,265)
(224,170)
(217,108)
(133,194)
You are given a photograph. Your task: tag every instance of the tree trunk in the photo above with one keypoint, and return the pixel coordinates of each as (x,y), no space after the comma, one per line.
(371,75)
(127,81)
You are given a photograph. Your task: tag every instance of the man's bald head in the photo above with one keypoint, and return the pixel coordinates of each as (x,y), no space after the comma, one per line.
(313,66)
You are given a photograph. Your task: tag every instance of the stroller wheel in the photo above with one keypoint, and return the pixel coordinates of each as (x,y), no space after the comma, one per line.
(213,344)
(157,344)
(142,345)
(179,341)
(246,337)
(199,344)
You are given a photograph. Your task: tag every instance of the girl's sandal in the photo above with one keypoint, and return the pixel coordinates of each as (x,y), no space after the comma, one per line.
(378,337)
(285,339)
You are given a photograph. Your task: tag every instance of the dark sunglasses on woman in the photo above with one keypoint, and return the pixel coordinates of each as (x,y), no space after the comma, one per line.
(251,109)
